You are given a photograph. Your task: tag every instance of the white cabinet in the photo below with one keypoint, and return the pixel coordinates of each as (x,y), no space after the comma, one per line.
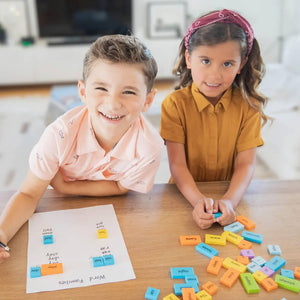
(43,64)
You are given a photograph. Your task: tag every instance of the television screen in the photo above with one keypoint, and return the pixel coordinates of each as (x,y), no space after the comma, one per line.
(83,18)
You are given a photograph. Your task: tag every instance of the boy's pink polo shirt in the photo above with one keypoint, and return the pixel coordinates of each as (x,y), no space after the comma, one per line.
(69,144)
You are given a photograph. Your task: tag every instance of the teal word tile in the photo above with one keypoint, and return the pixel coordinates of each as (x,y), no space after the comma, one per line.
(234,227)
(181,272)
(207,250)
(252,237)
(98,261)
(108,260)
(275,263)
(287,273)
(152,293)
(48,239)
(259,260)
(192,279)
(274,249)
(35,272)
(252,267)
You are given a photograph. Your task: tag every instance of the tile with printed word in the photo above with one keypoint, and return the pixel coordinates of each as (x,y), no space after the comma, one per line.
(231,263)
(152,293)
(215,265)
(252,267)
(252,237)
(210,287)
(269,272)
(243,260)
(232,237)
(207,250)
(35,272)
(269,284)
(190,240)
(179,286)
(288,283)
(51,269)
(249,283)
(287,273)
(275,263)
(177,272)
(234,227)
(48,239)
(246,222)
(188,294)
(191,279)
(203,295)
(259,276)
(297,272)
(171,297)
(215,239)
(243,244)
(230,277)
(102,234)
(248,253)
(274,249)
(259,260)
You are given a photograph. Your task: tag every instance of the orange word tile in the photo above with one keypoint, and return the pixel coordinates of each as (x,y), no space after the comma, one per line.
(243,244)
(230,277)
(51,269)
(210,288)
(188,294)
(246,222)
(269,284)
(189,240)
(297,272)
(215,265)
(243,260)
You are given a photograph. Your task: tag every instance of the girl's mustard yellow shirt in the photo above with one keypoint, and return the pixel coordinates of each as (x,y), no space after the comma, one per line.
(212,135)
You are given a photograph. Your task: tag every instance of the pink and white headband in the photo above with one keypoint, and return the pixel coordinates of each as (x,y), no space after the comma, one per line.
(222,16)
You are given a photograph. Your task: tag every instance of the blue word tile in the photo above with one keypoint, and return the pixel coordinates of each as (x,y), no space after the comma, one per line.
(179,286)
(274,249)
(252,237)
(152,293)
(259,260)
(207,250)
(98,262)
(287,273)
(181,272)
(48,239)
(35,272)
(252,267)
(108,260)
(234,227)
(192,279)
(275,263)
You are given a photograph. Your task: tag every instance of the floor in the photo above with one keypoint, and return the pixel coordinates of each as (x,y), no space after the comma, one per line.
(14,157)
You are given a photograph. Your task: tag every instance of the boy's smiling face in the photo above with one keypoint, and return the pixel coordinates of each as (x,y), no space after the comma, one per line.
(115,94)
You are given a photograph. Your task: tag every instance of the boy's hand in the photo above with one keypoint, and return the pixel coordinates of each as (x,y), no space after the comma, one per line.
(3,255)
(202,213)
(227,210)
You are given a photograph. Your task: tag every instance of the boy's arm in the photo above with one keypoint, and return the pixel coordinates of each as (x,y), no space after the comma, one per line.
(241,178)
(203,206)
(87,187)
(21,206)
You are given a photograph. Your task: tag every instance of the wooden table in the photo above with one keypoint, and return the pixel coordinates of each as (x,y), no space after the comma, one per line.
(151,225)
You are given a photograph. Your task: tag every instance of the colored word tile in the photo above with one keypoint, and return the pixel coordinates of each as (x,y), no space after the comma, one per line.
(171,297)
(248,252)
(234,227)
(152,293)
(249,283)
(232,237)
(259,260)
(215,239)
(275,263)
(35,272)
(230,277)
(179,286)
(203,295)
(287,273)
(191,279)
(274,249)
(243,244)
(48,239)
(252,237)
(231,263)
(102,234)
(210,288)
(98,262)
(288,283)
(252,267)
(189,240)
(297,272)
(50,269)
(217,215)
(188,294)
(246,222)
(269,272)
(207,250)
(215,265)
(181,272)
(243,260)
(269,284)
(108,260)
(259,276)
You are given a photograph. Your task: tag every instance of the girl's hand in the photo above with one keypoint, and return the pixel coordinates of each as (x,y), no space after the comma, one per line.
(3,255)
(202,213)
(227,210)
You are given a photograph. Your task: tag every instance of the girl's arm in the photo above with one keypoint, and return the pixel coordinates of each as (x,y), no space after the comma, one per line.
(87,187)
(241,178)
(203,207)
(20,207)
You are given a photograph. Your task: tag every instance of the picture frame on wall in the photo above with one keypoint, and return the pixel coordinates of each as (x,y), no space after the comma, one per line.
(166,19)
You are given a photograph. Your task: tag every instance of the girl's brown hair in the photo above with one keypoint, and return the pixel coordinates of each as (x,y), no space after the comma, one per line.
(252,72)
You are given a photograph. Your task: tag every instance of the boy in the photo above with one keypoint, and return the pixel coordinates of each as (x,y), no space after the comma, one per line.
(105,147)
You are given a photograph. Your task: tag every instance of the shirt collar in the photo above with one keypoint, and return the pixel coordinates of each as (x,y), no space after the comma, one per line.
(202,102)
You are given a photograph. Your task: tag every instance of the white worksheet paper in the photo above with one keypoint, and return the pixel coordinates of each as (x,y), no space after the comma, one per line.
(75,243)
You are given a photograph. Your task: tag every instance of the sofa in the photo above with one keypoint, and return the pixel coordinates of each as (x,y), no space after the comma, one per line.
(281,152)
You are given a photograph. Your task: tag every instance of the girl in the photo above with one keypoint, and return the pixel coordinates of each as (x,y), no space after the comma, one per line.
(211,124)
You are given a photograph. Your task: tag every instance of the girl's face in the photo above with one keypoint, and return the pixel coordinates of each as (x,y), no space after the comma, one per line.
(115,94)
(214,68)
